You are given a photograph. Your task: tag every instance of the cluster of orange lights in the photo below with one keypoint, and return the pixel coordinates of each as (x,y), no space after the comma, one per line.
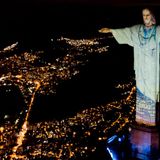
(70,138)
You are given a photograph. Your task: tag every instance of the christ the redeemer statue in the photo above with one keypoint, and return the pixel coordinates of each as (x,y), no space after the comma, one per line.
(145,39)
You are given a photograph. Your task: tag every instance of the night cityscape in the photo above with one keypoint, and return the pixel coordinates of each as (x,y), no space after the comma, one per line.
(67,91)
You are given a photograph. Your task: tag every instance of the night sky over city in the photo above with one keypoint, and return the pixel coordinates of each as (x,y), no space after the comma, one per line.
(66,88)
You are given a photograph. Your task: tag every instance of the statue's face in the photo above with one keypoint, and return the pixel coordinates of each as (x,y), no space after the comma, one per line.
(147,17)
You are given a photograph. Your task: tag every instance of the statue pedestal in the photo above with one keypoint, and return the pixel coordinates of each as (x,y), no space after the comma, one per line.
(145,142)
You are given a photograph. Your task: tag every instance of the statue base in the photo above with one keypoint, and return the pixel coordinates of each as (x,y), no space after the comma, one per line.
(145,141)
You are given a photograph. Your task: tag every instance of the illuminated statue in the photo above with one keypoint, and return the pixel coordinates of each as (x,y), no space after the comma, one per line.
(145,39)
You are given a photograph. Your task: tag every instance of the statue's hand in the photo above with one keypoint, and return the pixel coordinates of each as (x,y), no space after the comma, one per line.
(105,30)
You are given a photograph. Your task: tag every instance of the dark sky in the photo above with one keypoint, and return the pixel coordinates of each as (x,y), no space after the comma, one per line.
(33,17)
(88,2)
